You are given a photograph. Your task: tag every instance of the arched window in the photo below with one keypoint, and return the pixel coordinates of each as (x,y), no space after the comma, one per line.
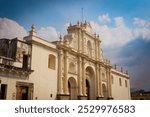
(89,48)
(51,61)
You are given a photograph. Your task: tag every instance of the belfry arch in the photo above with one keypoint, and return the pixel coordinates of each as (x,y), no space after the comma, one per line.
(90,83)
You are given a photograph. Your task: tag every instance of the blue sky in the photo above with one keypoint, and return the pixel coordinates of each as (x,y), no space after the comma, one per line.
(58,12)
(123,25)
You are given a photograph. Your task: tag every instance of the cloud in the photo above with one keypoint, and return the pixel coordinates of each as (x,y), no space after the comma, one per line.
(119,21)
(104,18)
(141,22)
(11,29)
(114,36)
(142,29)
(142,33)
(49,33)
(120,34)
(128,47)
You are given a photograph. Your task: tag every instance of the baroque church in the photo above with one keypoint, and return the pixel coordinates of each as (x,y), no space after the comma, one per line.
(71,68)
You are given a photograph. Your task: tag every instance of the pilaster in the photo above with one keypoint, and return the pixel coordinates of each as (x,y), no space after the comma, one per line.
(79,40)
(83,77)
(97,81)
(100,81)
(109,84)
(60,86)
(96,50)
(66,73)
(79,76)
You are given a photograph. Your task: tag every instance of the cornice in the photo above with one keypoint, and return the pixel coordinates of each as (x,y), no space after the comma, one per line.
(120,74)
(86,57)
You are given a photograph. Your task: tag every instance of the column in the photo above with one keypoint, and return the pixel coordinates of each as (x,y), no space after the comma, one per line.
(79,76)
(66,73)
(84,46)
(97,81)
(96,50)
(83,78)
(110,85)
(60,87)
(108,82)
(82,42)
(79,40)
(100,81)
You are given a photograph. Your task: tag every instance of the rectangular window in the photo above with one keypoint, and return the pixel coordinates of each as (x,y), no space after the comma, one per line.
(3,91)
(120,83)
(51,61)
(25,62)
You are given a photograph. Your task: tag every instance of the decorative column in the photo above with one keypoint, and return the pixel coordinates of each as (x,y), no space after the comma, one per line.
(60,87)
(83,39)
(66,73)
(100,82)
(97,81)
(79,40)
(96,50)
(83,80)
(108,83)
(84,45)
(79,76)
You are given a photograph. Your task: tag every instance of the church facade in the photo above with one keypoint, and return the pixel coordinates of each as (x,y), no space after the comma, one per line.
(71,68)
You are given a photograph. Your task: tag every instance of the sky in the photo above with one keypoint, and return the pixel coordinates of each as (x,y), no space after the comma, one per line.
(123,26)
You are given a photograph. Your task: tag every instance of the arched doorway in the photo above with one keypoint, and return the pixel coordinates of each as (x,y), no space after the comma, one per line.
(72,88)
(90,83)
(104,89)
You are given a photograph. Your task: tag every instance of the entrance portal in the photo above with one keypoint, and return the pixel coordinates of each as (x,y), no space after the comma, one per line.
(24,91)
